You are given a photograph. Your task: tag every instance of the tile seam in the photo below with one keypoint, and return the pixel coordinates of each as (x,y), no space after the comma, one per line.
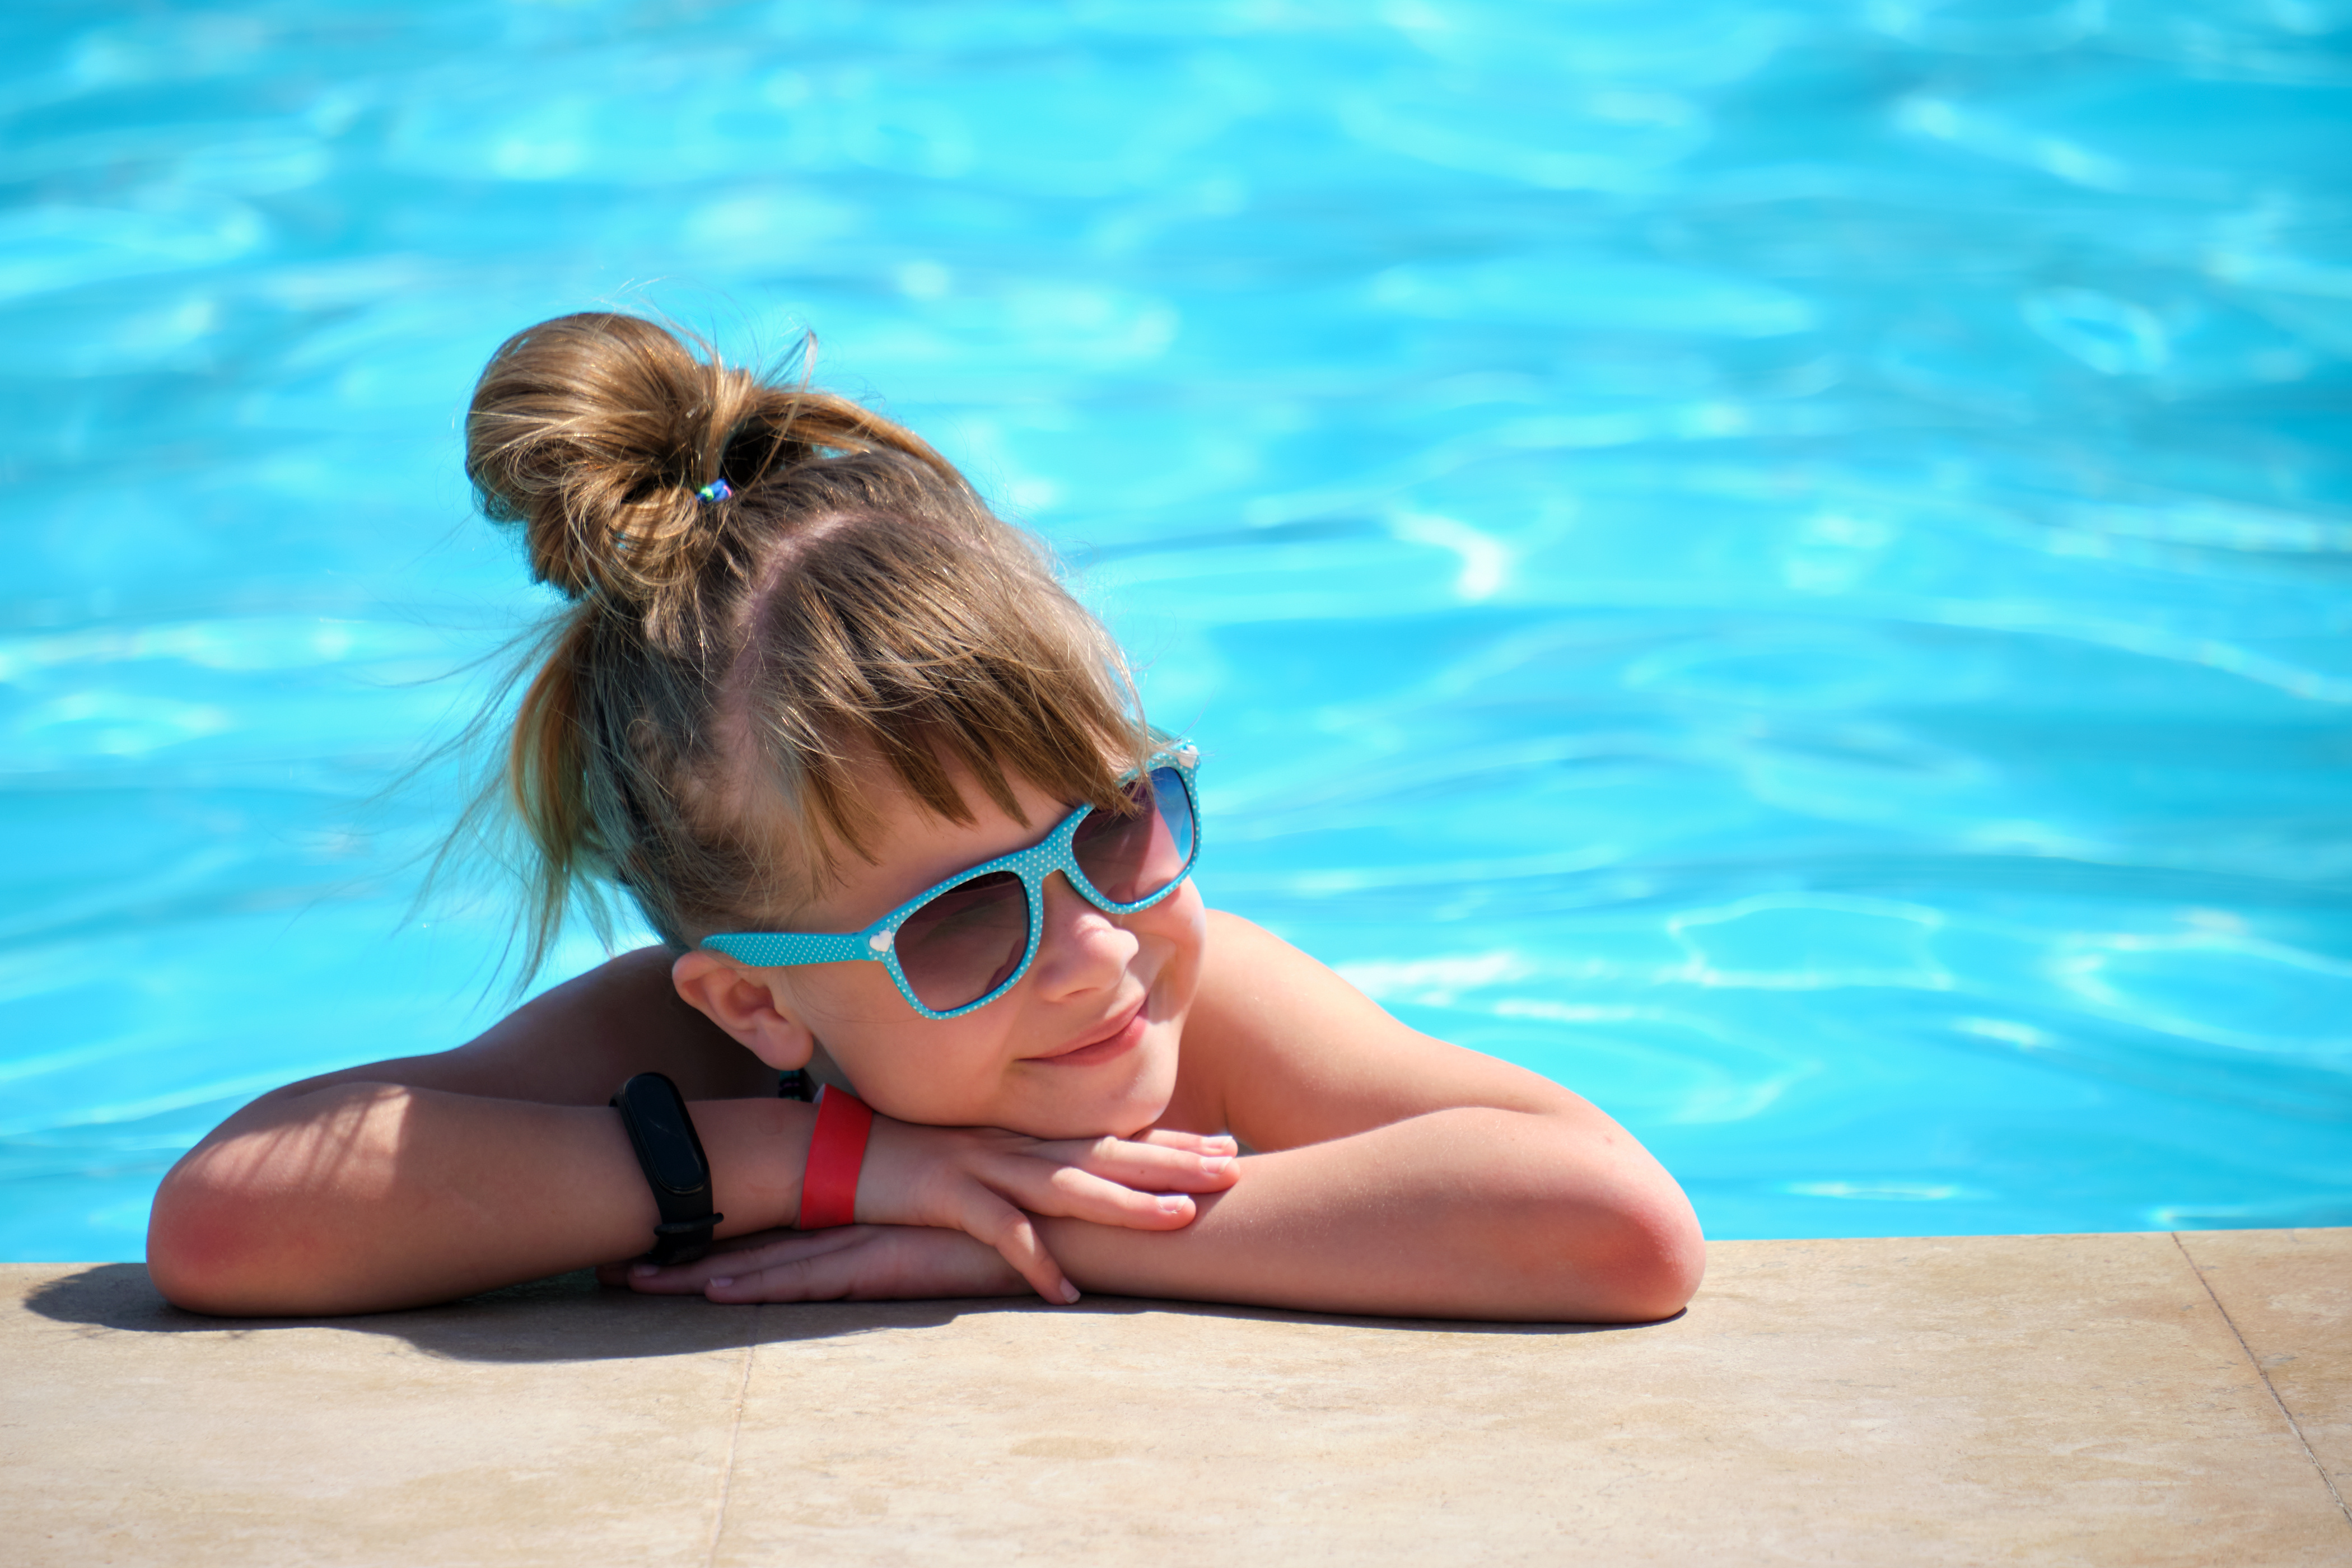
(2264,1373)
(734,1435)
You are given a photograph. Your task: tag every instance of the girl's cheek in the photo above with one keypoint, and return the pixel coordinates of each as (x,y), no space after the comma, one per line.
(1188,923)
(1182,928)
(941,1072)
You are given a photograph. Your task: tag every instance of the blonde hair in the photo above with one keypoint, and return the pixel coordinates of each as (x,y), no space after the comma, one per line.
(853,603)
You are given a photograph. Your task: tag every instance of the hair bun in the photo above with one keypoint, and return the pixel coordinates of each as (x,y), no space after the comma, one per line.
(593,432)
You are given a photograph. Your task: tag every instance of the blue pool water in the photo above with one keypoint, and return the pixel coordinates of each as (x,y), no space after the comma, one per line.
(1787,564)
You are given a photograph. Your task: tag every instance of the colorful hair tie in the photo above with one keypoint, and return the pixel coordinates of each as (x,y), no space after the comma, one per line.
(716,490)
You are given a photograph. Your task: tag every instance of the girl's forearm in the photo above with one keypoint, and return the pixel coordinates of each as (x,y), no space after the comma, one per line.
(1467,1213)
(366,1197)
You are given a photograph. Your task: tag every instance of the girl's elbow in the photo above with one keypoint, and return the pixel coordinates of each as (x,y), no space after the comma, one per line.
(200,1256)
(259,1220)
(1636,1259)
(216,1247)
(1657,1263)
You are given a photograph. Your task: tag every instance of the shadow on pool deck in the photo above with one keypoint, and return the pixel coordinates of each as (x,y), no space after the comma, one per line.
(571,1318)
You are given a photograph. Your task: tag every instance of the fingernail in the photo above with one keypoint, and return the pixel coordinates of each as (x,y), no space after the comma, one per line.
(640,1270)
(1069,1294)
(1216,1164)
(1221,1141)
(1173,1203)
(722,1283)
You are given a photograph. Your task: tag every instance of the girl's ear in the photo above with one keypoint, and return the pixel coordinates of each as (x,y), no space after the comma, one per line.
(733,998)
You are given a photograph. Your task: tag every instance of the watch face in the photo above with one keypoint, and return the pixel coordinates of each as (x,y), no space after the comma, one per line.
(665,1136)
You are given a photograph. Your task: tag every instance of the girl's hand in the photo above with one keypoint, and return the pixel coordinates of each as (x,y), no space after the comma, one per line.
(987,1183)
(853,1263)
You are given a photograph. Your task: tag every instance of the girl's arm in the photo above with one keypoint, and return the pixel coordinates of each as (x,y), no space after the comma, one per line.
(1400,1174)
(427,1178)
(1396,1174)
(1465,1213)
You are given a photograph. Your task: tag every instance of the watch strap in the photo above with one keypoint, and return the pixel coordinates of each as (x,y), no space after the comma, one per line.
(669,1152)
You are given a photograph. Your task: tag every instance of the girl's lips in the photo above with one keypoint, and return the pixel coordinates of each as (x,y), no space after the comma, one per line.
(1117,1041)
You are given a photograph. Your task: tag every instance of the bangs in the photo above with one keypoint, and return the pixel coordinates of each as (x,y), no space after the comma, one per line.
(889,652)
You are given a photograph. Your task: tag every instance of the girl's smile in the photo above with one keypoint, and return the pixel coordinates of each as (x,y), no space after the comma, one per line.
(1124,1035)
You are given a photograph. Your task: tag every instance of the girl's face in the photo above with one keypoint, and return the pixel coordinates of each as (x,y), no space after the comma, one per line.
(1085,1045)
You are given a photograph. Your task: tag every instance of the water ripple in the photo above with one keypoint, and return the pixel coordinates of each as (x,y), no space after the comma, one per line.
(1788,567)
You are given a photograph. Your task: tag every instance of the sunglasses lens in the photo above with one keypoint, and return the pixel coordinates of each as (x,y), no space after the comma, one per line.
(1130,857)
(966,943)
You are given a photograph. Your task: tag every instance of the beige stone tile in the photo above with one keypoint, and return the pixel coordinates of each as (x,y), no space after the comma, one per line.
(2039,1399)
(2289,1294)
(557,1425)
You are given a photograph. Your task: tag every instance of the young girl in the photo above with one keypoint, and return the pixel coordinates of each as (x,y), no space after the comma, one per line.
(884,790)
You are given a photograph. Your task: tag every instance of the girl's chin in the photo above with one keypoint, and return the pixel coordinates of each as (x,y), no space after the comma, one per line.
(1102,1103)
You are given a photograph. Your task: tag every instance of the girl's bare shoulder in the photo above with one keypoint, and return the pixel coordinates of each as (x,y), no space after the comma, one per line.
(575,1043)
(1286,1051)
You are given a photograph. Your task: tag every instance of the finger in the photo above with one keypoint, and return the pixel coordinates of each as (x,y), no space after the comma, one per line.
(621,1273)
(1144,1191)
(1198,1143)
(776,1247)
(828,1275)
(1009,1231)
(1147,1167)
(882,1263)
(750,1238)
(1068,1193)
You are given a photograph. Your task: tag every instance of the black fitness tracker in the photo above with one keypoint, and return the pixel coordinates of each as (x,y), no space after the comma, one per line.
(676,1168)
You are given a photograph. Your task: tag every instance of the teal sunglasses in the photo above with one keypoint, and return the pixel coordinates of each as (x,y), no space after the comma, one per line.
(967,940)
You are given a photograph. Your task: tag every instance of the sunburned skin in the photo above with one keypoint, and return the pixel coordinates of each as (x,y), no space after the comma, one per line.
(1086,1044)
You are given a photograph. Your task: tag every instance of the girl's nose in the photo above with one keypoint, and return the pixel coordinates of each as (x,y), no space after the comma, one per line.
(1081,949)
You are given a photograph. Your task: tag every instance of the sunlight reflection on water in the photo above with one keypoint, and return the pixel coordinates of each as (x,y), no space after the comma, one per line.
(1783,564)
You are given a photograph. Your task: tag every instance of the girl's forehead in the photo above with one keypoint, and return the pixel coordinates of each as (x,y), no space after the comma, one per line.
(915,847)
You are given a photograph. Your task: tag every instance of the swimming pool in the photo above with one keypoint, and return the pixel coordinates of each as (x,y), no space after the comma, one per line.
(1786,565)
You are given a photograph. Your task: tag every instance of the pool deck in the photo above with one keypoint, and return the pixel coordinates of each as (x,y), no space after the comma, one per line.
(2143,1399)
